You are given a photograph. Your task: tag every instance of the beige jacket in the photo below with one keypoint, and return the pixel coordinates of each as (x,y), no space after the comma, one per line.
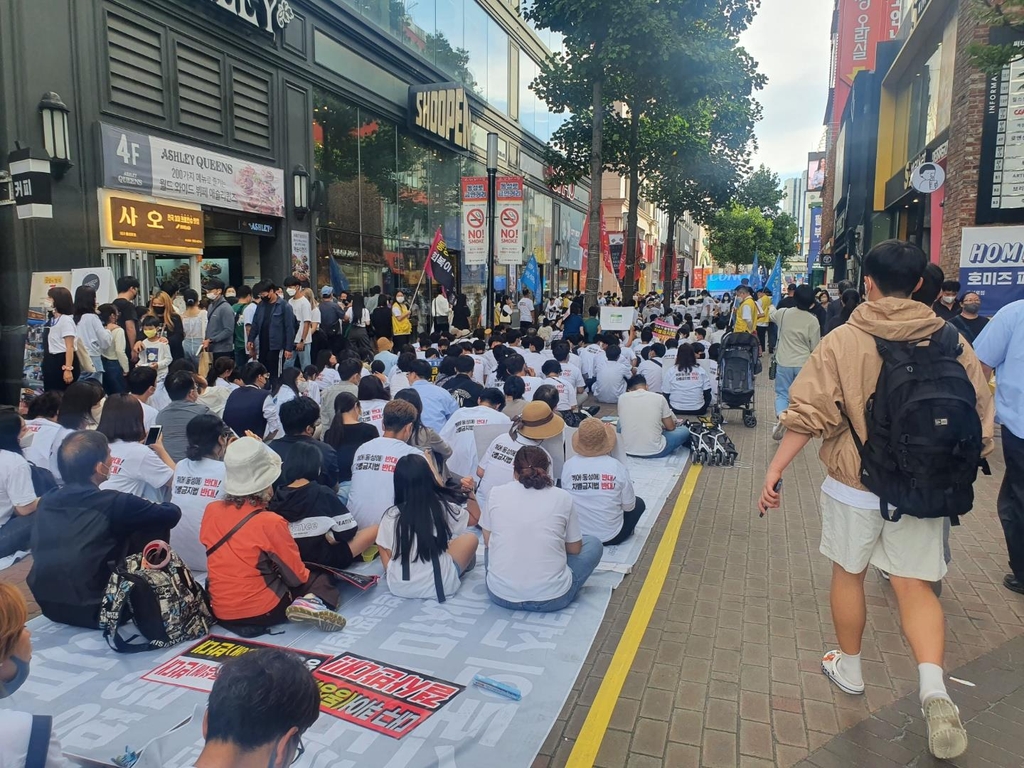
(841,374)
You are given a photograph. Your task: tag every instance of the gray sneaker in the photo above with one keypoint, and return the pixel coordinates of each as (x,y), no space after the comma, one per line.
(778,431)
(947,737)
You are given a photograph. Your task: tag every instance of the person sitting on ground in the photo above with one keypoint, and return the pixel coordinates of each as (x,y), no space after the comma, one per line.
(142,386)
(372,493)
(81,529)
(372,399)
(515,396)
(688,385)
(515,367)
(647,424)
(42,435)
(438,405)
(144,470)
(345,435)
(562,352)
(256,577)
(565,405)
(350,372)
(250,408)
(423,545)
(327,369)
(537,557)
(198,480)
(612,374)
(461,386)
(459,432)
(536,424)
(398,379)
(225,373)
(299,419)
(426,439)
(181,388)
(311,507)
(386,355)
(81,406)
(18,497)
(259,708)
(18,729)
(602,493)
(652,366)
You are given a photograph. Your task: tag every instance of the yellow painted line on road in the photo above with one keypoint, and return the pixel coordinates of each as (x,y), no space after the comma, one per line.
(584,753)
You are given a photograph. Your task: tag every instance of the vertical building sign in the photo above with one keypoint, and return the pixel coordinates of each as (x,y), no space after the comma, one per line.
(474,220)
(1001,171)
(815,249)
(509,226)
(863,24)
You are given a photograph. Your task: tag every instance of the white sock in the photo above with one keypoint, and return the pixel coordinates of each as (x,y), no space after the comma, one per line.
(931,682)
(849,668)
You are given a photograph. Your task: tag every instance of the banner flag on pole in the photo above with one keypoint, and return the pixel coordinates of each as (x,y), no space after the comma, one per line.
(440,265)
(531,276)
(339,282)
(774,283)
(755,274)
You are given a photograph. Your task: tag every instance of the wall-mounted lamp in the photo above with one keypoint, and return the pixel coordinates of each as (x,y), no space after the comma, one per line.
(300,191)
(54,113)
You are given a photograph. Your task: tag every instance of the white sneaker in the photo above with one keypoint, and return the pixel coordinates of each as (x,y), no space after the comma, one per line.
(778,431)
(947,737)
(830,666)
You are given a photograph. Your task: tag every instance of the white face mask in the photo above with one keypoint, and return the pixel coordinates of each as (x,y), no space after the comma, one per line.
(948,299)
(212,296)
(48,305)
(400,299)
(291,291)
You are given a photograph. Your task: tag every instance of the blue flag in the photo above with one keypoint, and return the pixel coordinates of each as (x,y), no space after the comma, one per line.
(531,276)
(338,280)
(774,283)
(755,274)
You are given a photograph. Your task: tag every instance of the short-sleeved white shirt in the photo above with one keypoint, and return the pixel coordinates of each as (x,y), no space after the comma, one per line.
(373,486)
(601,491)
(40,445)
(196,484)
(421,572)
(459,433)
(641,422)
(572,373)
(303,314)
(685,389)
(16,489)
(60,330)
(526,308)
(136,469)
(497,462)
(372,412)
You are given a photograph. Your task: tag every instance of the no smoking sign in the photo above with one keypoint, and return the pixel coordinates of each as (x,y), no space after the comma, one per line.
(475,218)
(509,217)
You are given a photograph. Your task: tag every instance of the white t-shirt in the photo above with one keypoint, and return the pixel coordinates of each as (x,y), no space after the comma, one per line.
(136,469)
(373,488)
(611,381)
(497,463)
(535,360)
(328,378)
(196,484)
(41,442)
(685,389)
(15,731)
(526,310)
(249,313)
(526,559)
(61,329)
(303,314)
(397,381)
(640,422)
(601,491)
(148,415)
(372,412)
(653,372)
(531,383)
(479,368)
(572,373)
(421,572)
(711,366)
(459,433)
(16,489)
(364,318)
(566,392)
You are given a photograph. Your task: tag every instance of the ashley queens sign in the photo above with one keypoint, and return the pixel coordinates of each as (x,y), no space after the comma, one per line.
(267,15)
(442,111)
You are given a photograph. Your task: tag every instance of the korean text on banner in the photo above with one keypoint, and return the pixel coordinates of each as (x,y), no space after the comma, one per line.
(992,265)
(509,205)
(474,220)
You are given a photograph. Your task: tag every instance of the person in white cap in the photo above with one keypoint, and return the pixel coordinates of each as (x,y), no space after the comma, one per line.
(256,574)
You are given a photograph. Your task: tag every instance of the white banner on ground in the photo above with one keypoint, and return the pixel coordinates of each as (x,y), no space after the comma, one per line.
(474,221)
(509,206)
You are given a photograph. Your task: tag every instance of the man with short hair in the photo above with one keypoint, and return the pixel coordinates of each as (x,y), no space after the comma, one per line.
(459,432)
(142,386)
(243,310)
(515,365)
(789,300)
(947,307)
(220,322)
(591,326)
(461,386)
(331,316)
(373,299)
(829,400)
(439,309)
(80,529)
(969,322)
(127,313)
(261,704)
(611,376)
(438,405)
(373,490)
(272,333)
(303,312)
(351,371)
(746,311)
(174,418)
(299,418)
(526,310)
(646,422)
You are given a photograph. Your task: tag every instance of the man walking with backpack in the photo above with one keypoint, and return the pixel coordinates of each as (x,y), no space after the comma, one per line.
(904,411)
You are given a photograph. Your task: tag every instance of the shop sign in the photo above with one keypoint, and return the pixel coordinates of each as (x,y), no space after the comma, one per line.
(31,185)
(149,165)
(262,14)
(474,220)
(928,178)
(134,221)
(992,265)
(508,197)
(245,225)
(442,111)
(1001,169)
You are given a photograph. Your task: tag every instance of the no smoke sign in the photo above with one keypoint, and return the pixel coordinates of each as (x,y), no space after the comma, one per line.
(474,220)
(509,199)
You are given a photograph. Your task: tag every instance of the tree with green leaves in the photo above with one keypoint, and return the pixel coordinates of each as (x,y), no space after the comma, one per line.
(737,233)
(998,14)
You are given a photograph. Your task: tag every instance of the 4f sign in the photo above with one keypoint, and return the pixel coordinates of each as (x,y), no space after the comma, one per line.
(509,200)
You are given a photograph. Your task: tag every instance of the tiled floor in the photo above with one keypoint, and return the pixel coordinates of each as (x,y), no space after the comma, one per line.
(728,673)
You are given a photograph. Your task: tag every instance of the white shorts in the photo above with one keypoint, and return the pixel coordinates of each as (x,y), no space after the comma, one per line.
(854,538)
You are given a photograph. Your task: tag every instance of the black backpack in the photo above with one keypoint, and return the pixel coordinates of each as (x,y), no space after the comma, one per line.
(923,447)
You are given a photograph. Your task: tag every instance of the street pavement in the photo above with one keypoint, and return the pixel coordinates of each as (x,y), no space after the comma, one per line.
(729,670)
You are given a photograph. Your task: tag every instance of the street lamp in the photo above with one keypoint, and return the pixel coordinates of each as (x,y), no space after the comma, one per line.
(300,191)
(492,172)
(55,132)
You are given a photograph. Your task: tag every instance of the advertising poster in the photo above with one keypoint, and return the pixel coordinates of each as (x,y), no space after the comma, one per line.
(719,284)
(474,220)
(300,254)
(100,279)
(33,364)
(617,250)
(388,700)
(992,265)
(1001,171)
(815,246)
(616,318)
(197,667)
(509,226)
(815,171)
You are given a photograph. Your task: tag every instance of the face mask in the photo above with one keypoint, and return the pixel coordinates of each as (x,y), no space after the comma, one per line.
(948,300)
(20,676)
(150,332)
(105,474)
(972,309)
(291,291)
(230,296)
(96,412)
(48,305)
(211,296)
(400,299)
(303,387)
(158,308)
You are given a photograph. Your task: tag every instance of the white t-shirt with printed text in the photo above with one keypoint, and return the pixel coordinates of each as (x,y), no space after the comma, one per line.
(372,412)
(196,484)
(373,486)
(135,468)
(496,463)
(421,572)
(459,433)
(601,491)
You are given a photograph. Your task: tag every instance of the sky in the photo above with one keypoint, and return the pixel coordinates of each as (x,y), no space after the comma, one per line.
(790,41)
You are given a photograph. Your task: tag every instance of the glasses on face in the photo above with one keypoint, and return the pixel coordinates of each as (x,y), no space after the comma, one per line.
(299,751)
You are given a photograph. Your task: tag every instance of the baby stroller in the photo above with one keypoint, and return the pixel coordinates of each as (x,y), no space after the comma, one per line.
(738,363)
(710,445)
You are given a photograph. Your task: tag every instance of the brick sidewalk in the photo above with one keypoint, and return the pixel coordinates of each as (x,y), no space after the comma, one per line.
(729,671)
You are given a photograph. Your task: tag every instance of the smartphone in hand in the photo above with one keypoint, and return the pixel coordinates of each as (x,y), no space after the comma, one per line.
(153,435)
(777,489)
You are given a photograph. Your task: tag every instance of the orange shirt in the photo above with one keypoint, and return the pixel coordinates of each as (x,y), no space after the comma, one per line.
(256,568)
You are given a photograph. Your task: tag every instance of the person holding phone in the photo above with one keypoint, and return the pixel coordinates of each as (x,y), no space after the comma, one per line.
(139,464)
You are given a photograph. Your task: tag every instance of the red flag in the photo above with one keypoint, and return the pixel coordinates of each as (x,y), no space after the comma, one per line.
(440,266)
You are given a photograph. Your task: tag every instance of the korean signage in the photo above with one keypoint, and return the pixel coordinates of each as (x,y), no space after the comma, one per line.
(992,265)
(135,221)
(385,699)
(442,111)
(474,220)
(1001,170)
(815,246)
(863,24)
(149,165)
(509,225)
(266,15)
(31,185)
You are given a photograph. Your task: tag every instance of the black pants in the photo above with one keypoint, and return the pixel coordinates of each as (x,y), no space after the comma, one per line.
(762,335)
(629,521)
(1011,501)
(400,341)
(271,359)
(440,325)
(53,374)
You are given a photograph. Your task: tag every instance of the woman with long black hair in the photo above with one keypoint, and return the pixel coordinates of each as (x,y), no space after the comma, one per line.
(423,436)
(345,434)
(461,313)
(60,364)
(95,337)
(688,386)
(422,552)
(358,318)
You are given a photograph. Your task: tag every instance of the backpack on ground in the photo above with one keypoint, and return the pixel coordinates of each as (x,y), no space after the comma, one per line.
(43,480)
(923,447)
(166,605)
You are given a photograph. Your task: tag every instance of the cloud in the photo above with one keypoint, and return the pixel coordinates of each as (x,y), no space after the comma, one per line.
(790,41)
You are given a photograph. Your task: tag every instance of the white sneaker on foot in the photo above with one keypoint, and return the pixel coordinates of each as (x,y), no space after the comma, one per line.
(778,431)
(830,666)
(947,737)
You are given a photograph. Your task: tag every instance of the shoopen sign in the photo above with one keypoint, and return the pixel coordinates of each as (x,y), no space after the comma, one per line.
(267,15)
(442,110)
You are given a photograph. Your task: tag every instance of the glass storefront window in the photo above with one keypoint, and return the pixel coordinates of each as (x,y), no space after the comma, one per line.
(497,67)
(476,19)
(528,71)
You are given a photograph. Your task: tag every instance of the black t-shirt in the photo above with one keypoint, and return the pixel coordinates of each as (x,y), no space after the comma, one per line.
(315,500)
(969,328)
(463,389)
(354,436)
(126,312)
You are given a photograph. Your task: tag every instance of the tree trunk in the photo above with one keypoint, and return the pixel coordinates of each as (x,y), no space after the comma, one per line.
(629,281)
(594,235)
(670,246)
